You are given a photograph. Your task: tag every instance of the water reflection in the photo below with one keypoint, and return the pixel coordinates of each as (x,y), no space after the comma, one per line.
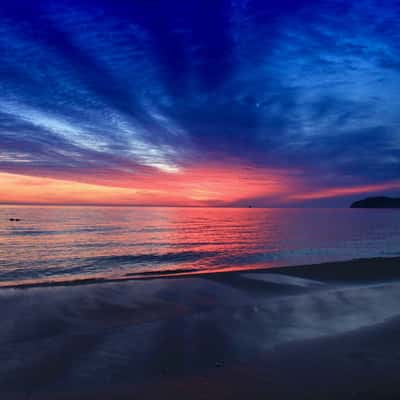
(70,243)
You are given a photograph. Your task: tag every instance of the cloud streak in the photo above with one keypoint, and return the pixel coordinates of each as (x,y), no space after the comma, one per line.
(122,93)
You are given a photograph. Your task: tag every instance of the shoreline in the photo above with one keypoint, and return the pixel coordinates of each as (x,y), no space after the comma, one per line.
(339,271)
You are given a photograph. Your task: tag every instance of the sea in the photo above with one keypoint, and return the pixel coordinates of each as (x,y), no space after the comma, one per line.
(72,244)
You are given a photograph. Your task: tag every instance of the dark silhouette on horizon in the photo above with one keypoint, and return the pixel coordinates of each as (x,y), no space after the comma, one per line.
(377,202)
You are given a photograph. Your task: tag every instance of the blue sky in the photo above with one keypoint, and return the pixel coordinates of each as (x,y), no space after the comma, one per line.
(90,90)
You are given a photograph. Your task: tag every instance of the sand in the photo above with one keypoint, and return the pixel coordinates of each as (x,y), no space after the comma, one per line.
(326,331)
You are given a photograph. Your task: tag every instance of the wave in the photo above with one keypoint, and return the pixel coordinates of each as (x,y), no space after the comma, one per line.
(143,275)
(79,280)
(35,232)
(154,258)
(106,269)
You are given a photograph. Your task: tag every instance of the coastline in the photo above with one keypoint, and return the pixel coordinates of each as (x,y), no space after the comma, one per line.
(341,271)
(318,331)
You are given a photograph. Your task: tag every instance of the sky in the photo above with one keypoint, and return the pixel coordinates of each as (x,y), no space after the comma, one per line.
(199,102)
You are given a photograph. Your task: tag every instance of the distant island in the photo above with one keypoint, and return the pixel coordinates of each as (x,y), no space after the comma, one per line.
(377,202)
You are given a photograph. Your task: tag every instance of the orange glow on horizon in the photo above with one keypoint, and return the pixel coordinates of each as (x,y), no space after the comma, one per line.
(27,189)
(195,187)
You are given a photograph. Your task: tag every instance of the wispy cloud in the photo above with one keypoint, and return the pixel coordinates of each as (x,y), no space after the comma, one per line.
(138,90)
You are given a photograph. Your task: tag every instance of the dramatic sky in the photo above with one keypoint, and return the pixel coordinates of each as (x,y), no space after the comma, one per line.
(199,102)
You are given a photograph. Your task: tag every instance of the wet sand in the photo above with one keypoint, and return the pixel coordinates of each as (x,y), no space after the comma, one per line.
(326,331)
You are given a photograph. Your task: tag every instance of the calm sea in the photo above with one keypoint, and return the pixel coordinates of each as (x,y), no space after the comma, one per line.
(73,243)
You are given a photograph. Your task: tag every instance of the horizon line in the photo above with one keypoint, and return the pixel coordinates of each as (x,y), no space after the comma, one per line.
(160,205)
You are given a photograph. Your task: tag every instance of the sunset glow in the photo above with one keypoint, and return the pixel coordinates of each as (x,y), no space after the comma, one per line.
(196,187)
(198,103)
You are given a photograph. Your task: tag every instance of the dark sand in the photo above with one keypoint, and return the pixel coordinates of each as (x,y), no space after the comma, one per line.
(314,332)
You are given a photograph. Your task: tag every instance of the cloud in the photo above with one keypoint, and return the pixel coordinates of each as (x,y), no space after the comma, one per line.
(93,89)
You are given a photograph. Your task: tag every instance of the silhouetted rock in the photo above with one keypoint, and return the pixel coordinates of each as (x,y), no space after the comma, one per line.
(11,219)
(377,202)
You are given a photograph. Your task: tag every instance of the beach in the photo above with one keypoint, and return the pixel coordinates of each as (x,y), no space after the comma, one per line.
(199,200)
(318,331)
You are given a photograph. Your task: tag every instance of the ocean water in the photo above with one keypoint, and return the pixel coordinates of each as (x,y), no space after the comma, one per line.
(63,244)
